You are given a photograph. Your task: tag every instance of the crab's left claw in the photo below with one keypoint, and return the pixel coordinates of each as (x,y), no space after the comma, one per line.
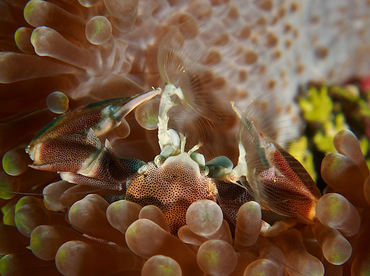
(101,117)
(82,160)
(65,153)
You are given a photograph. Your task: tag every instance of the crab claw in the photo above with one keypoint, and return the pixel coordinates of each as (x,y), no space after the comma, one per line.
(100,116)
(278,181)
(82,160)
(105,170)
(66,153)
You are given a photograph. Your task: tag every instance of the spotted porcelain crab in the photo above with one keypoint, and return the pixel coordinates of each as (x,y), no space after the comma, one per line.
(71,145)
(265,172)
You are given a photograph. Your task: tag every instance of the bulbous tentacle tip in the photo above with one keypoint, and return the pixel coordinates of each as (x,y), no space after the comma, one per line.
(22,38)
(208,213)
(57,102)
(15,161)
(98,30)
(88,3)
(217,257)
(335,211)
(161,265)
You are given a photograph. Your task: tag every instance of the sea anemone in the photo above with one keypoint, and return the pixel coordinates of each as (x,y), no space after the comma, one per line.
(58,55)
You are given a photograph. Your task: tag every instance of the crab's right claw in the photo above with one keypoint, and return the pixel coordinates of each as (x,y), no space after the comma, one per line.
(278,181)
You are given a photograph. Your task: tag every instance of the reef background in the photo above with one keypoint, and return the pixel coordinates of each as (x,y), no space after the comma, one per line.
(256,47)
